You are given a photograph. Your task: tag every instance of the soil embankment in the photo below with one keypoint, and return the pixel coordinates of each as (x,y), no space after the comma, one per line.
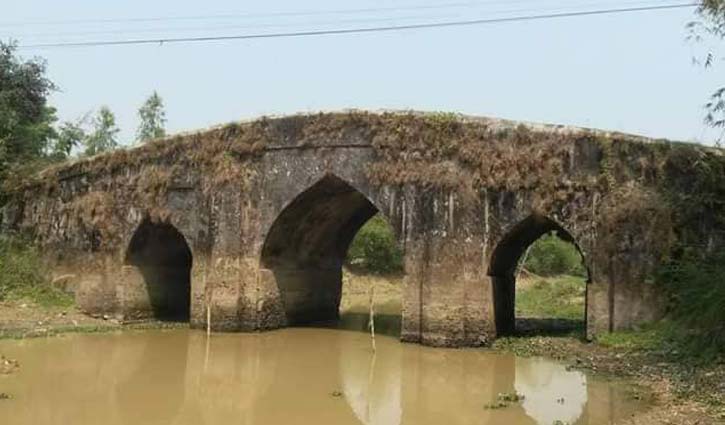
(25,320)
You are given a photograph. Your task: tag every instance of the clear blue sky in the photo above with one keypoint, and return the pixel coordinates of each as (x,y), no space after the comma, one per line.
(630,72)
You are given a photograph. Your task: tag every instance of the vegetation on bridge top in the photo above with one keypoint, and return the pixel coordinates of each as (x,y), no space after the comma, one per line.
(435,150)
(423,137)
(634,176)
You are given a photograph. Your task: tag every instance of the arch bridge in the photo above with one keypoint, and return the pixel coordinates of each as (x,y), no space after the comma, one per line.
(253,220)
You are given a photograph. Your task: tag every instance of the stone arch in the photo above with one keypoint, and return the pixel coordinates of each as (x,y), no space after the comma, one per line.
(505,259)
(161,255)
(306,247)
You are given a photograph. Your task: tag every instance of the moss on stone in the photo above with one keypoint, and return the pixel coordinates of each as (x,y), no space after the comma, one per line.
(630,176)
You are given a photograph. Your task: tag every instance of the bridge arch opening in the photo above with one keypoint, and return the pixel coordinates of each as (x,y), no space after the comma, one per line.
(307,245)
(162,256)
(508,263)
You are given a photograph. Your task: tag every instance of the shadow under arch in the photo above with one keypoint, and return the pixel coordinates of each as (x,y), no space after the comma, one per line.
(504,264)
(306,247)
(163,257)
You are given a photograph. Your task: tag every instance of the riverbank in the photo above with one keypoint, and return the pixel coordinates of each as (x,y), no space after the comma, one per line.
(680,393)
(25,319)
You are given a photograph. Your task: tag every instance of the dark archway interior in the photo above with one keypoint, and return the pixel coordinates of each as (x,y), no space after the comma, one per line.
(505,261)
(307,245)
(164,259)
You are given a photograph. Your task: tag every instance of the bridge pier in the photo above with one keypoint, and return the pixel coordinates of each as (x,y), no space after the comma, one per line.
(446,295)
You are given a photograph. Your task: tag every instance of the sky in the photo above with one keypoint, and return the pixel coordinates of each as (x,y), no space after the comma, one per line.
(624,72)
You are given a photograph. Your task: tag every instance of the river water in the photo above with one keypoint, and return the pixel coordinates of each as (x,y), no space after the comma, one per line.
(289,376)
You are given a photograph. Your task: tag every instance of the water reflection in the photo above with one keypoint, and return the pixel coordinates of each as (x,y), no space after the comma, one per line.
(548,384)
(320,376)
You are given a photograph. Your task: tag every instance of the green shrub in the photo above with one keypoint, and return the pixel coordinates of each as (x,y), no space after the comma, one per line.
(697,288)
(550,256)
(23,276)
(375,249)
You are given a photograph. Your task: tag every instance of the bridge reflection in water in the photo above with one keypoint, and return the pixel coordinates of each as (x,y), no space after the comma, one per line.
(303,375)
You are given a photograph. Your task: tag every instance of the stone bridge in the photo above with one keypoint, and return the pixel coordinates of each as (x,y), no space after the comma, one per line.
(251,221)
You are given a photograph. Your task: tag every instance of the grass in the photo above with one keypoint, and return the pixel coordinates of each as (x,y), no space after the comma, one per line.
(557,297)
(504,400)
(22,333)
(43,296)
(649,337)
(23,276)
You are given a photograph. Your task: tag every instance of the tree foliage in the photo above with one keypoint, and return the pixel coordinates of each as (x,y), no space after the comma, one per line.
(104,135)
(714,12)
(712,24)
(153,119)
(375,249)
(697,287)
(69,135)
(551,256)
(25,117)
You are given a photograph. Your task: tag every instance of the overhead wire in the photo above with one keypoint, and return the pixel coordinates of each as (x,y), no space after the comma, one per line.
(212,28)
(360,30)
(469,4)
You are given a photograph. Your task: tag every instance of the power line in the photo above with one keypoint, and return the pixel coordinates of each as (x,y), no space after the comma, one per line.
(208,28)
(270,14)
(252,15)
(368,20)
(362,30)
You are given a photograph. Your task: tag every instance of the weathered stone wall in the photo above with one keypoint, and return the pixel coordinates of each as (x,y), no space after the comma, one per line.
(268,209)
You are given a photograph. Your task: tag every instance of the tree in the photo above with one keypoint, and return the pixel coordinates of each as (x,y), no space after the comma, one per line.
(712,14)
(104,135)
(374,248)
(25,117)
(551,256)
(69,135)
(713,11)
(153,119)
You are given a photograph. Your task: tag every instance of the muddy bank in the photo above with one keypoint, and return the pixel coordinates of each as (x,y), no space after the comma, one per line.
(680,393)
(26,320)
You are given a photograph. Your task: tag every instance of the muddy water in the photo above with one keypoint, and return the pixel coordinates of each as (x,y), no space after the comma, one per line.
(292,376)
